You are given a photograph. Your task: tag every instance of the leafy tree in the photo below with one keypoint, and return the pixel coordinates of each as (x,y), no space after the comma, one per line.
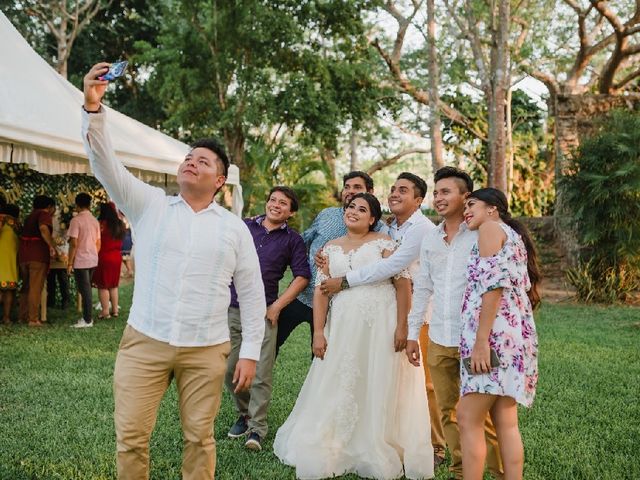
(602,191)
(269,73)
(62,20)
(111,36)
(533,192)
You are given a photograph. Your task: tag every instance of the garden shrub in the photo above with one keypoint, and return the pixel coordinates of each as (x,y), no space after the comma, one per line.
(602,194)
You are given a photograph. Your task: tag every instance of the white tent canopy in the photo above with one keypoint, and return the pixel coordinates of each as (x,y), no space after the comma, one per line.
(40,123)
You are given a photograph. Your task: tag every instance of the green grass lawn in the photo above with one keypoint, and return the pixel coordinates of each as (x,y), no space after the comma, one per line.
(56,402)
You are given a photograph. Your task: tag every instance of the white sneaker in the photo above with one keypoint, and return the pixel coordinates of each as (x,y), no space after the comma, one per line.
(82,324)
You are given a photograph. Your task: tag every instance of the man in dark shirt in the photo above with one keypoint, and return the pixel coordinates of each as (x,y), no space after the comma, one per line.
(278,247)
(36,249)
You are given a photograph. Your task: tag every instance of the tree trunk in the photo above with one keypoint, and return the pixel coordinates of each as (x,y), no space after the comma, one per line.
(435,131)
(61,60)
(234,142)
(329,157)
(353,149)
(497,99)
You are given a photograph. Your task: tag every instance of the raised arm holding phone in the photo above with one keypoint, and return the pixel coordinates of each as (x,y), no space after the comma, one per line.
(189,250)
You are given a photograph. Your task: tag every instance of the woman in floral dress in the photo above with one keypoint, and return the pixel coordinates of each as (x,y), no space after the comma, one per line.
(497,316)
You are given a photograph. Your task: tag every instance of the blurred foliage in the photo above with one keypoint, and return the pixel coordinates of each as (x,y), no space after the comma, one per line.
(602,193)
(533,191)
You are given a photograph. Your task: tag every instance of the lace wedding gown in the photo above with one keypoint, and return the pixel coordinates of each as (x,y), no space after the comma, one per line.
(363,409)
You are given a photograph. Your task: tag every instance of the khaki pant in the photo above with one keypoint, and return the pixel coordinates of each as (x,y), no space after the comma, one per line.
(144,369)
(255,401)
(444,364)
(34,276)
(437,434)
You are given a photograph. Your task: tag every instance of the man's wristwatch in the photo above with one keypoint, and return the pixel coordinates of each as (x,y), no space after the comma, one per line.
(344,284)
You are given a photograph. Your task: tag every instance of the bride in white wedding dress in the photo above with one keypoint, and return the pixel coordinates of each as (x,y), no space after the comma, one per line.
(362,408)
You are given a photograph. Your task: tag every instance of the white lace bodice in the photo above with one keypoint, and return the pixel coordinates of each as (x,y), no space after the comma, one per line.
(341,262)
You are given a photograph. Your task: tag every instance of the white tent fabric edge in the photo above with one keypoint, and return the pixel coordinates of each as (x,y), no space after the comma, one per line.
(40,123)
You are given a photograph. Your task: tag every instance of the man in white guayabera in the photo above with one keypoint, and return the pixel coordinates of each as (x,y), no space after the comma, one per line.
(188,248)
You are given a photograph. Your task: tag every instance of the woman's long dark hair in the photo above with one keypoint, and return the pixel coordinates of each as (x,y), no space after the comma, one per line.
(496,198)
(374,207)
(109,215)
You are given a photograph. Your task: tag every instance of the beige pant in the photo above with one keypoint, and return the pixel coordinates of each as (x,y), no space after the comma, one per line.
(437,434)
(144,369)
(444,364)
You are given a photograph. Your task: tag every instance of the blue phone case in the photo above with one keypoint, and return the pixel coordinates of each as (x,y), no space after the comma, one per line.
(115,70)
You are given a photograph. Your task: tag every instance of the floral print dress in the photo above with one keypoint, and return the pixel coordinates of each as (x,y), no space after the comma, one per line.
(513,335)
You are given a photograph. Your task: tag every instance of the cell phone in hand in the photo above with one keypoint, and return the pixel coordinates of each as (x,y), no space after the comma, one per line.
(115,70)
(493,359)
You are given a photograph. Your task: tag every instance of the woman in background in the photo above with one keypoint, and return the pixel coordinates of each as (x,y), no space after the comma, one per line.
(9,243)
(106,277)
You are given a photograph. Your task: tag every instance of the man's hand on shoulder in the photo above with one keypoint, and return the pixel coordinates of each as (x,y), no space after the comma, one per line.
(94,88)
(244,374)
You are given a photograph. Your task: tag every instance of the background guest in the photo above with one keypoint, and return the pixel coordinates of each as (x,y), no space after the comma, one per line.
(34,254)
(57,279)
(107,274)
(9,242)
(84,243)
(127,247)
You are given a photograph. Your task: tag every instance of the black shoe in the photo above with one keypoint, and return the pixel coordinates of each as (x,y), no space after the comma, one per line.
(240,428)
(254,442)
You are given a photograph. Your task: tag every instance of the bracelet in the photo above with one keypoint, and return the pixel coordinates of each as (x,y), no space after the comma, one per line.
(93,111)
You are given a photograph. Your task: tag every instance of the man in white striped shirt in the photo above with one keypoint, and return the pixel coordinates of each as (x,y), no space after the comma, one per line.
(444,254)
(188,250)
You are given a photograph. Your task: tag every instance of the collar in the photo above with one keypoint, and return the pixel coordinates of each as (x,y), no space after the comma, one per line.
(213,206)
(260,218)
(462,228)
(415,217)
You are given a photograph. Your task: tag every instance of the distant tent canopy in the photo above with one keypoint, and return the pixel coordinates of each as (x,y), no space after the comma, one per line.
(40,123)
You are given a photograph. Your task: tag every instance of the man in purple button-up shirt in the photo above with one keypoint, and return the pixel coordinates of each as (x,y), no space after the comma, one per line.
(278,247)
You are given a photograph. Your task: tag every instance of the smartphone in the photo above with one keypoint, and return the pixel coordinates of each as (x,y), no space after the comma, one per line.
(494,361)
(115,70)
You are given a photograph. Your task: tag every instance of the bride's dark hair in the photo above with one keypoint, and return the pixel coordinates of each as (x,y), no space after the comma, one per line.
(374,207)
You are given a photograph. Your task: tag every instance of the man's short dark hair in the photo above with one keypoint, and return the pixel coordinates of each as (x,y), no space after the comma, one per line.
(368,181)
(287,192)
(43,201)
(419,185)
(83,200)
(216,147)
(465,182)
